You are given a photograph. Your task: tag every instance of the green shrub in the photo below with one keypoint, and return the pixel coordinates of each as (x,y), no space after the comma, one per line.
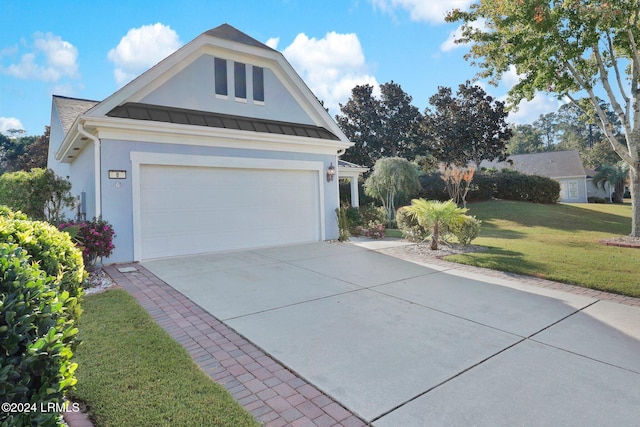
(36,336)
(526,188)
(54,252)
(466,230)
(353,217)
(372,213)
(40,194)
(593,199)
(433,188)
(410,227)
(507,185)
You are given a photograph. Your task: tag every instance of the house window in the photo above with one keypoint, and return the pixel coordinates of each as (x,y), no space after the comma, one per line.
(221,77)
(240,79)
(258,84)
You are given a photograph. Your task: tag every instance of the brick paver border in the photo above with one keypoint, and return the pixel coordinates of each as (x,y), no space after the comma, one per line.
(270,391)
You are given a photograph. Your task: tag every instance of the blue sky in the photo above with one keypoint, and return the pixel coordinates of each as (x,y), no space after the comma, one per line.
(90,49)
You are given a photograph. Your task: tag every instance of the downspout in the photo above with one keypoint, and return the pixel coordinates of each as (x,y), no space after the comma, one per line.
(97,159)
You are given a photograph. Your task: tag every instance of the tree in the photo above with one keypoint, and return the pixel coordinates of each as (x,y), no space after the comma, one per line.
(436,216)
(570,48)
(526,139)
(393,178)
(616,176)
(384,127)
(547,128)
(360,121)
(470,127)
(457,181)
(35,154)
(23,152)
(39,193)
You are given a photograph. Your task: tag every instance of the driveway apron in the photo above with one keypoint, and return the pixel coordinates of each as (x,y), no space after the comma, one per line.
(402,344)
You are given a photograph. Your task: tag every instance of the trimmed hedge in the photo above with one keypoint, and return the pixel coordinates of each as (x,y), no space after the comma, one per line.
(500,185)
(41,274)
(526,188)
(54,251)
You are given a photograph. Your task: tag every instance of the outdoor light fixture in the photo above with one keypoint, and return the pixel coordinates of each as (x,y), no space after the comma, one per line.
(331,172)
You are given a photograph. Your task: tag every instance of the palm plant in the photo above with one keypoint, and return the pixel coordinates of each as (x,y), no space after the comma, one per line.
(616,175)
(436,216)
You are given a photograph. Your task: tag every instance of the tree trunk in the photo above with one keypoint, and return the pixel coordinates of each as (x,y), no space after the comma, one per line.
(634,177)
(434,237)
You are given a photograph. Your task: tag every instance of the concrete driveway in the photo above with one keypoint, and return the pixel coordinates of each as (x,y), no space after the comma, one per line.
(401,344)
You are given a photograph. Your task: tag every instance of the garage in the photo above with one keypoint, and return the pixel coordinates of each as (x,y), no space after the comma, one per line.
(197,209)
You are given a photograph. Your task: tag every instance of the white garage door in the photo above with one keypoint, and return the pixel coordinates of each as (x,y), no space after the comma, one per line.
(188,210)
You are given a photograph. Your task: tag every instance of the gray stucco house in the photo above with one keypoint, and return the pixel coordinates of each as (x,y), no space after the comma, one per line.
(576,185)
(220,146)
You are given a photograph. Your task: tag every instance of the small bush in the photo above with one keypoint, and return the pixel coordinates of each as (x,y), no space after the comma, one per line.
(375,230)
(466,230)
(343,224)
(36,337)
(410,227)
(94,238)
(372,213)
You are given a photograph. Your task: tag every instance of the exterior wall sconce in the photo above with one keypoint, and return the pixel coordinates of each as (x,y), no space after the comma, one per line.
(331,172)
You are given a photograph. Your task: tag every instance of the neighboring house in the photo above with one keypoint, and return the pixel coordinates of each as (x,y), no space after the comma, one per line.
(563,166)
(599,191)
(220,146)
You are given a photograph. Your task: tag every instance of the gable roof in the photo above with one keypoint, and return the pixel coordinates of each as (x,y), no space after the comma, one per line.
(552,164)
(227,32)
(70,108)
(226,40)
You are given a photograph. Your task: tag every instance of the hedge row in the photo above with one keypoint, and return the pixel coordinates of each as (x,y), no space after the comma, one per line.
(41,273)
(500,185)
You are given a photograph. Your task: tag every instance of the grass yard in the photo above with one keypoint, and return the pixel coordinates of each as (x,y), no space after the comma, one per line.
(557,242)
(132,373)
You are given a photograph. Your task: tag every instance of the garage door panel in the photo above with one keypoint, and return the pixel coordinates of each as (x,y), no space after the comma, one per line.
(188,210)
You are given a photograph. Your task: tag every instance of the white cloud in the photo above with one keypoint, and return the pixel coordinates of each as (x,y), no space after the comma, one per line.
(527,111)
(530,111)
(273,42)
(50,59)
(7,123)
(432,11)
(141,49)
(331,66)
(450,43)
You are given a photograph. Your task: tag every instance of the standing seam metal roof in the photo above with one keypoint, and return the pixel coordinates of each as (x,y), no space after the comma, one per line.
(157,113)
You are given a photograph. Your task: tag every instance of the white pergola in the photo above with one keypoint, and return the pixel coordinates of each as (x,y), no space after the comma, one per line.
(353,172)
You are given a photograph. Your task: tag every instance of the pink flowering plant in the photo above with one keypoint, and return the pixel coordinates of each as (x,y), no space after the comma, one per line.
(94,238)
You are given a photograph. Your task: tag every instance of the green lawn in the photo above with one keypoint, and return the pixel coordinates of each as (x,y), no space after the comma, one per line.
(132,373)
(557,242)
